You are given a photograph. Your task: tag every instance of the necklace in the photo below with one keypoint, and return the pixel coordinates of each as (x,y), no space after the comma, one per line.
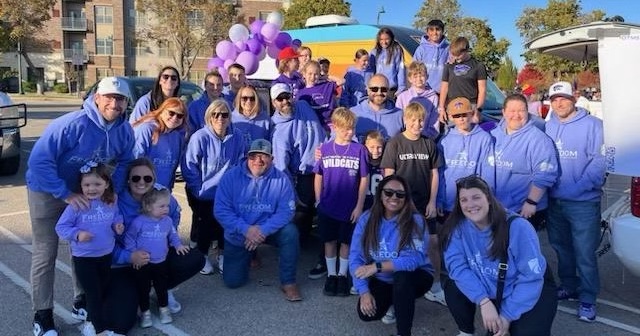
(335,151)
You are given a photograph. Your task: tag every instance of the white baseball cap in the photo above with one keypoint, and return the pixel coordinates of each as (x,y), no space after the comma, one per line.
(278,89)
(113,85)
(561,89)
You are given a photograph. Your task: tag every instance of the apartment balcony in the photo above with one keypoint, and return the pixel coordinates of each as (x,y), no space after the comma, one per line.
(74,24)
(75,55)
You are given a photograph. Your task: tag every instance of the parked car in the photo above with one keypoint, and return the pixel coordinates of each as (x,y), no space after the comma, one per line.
(139,86)
(12,117)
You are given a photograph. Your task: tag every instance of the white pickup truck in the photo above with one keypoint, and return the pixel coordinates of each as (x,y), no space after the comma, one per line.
(12,117)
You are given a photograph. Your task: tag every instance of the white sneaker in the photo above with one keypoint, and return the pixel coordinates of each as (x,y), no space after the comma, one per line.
(220,260)
(390,316)
(174,306)
(193,244)
(208,268)
(79,313)
(437,297)
(88,329)
(462,333)
(353,291)
(145,320)
(165,315)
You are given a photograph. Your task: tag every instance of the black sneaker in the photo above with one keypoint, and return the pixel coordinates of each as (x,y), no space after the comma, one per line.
(79,309)
(343,286)
(43,323)
(318,272)
(331,286)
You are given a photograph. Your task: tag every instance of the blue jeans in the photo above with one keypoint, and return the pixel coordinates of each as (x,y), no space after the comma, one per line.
(574,233)
(237,258)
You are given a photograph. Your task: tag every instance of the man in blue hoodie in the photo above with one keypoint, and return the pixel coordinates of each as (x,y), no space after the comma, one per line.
(98,132)
(255,204)
(433,51)
(574,200)
(378,112)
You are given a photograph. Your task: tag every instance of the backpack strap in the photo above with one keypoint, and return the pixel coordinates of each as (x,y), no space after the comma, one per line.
(503,267)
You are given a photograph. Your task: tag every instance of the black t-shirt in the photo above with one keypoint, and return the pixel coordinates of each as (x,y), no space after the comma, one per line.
(463,79)
(413,160)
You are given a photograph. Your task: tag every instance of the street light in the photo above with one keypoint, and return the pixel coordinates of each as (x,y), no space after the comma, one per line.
(380,11)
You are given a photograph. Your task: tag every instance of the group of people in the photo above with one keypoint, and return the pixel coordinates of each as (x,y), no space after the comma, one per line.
(412,196)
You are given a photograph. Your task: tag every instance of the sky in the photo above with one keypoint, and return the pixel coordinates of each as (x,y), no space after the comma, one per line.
(501,15)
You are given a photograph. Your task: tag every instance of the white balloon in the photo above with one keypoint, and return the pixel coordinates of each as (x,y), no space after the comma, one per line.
(238,32)
(276,18)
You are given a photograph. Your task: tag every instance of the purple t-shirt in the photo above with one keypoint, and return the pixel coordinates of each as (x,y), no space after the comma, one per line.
(322,98)
(341,167)
(295,82)
(152,235)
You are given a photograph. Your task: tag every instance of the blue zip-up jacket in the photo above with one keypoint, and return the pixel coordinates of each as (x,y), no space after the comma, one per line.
(243,200)
(130,209)
(153,235)
(464,155)
(408,258)
(354,90)
(524,157)
(99,219)
(207,158)
(434,56)
(476,273)
(388,120)
(72,140)
(228,95)
(394,70)
(258,127)
(142,107)
(196,111)
(579,142)
(165,154)
(295,139)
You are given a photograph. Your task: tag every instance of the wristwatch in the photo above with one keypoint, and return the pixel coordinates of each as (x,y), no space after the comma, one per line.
(530,201)
(379,266)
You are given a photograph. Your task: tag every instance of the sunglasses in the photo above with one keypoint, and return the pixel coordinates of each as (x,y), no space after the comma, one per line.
(284,96)
(223,115)
(382,89)
(248,98)
(176,114)
(390,192)
(137,178)
(458,116)
(173,77)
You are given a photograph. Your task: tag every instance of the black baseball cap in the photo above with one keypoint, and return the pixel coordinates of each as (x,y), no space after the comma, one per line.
(436,23)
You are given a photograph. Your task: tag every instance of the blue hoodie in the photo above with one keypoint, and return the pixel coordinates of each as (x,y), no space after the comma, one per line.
(142,107)
(99,219)
(153,235)
(243,200)
(434,56)
(354,90)
(197,109)
(165,154)
(579,142)
(394,70)
(464,155)
(72,140)
(388,120)
(526,156)
(476,273)
(208,157)
(258,127)
(295,139)
(409,258)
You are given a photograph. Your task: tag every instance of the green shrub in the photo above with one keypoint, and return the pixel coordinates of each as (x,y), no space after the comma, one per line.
(28,87)
(61,88)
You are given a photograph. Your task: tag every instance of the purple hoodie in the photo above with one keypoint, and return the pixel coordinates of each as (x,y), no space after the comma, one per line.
(295,82)
(434,56)
(152,235)
(322,99)
(354,90)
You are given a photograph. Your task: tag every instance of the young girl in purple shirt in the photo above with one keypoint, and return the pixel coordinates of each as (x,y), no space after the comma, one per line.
(320,94)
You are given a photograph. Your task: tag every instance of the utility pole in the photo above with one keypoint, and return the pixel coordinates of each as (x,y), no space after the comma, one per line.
(380,11)
(20,68)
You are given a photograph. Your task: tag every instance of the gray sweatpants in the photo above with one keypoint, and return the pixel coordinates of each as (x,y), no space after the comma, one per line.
(45,210)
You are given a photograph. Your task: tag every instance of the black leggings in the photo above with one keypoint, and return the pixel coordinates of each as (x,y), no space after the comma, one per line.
(402,293)
(159,275)
(305,204)
(536,322)
(207,227)
(93,276)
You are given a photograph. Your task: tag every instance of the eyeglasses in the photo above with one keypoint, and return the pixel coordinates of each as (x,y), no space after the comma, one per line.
(461,115)
(111,97)
(175,114)
(248,98)
(173,77)
(400,194)
(256,156)
(382,89)
(223,115)
(284,96)
(137,178)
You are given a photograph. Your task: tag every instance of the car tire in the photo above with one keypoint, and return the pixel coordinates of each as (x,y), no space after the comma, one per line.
(10,166)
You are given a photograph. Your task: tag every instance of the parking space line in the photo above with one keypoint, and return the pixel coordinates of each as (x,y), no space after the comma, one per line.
(619,306)
(179,194)
(14,213)
(604,320)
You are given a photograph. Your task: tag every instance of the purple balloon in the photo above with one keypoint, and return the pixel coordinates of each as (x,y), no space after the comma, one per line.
(273,51)
(224,73)
(269,31)
(226,50)
(214,62)
(296,43)
(256,26)
(254,45)
(259,38)
(228,63)
(249,61)
(283,40)
(240,46)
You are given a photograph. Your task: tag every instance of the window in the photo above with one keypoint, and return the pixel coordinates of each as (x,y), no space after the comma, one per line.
(195,18)
(139,48)
(164,49)
(137,18)
(104,14)
(197,76)
(103,72)
(263,15)
(139,73)
(104,46)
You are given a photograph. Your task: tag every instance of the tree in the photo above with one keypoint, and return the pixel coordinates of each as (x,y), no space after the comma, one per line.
(506,75)
(188,27)
(485,47)
(530,75)
(300,10)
